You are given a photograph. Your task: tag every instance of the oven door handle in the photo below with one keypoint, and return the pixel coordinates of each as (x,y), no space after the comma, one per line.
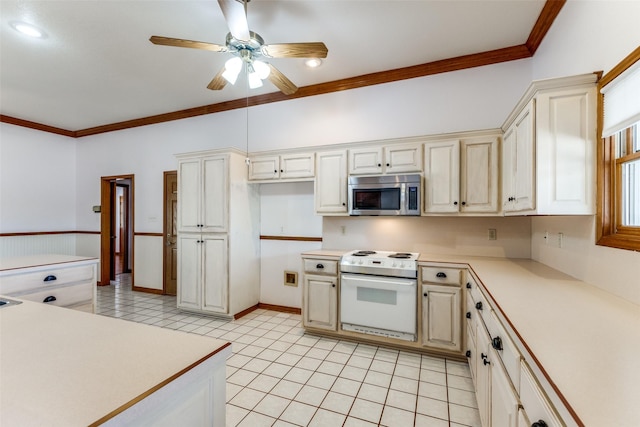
(385,283)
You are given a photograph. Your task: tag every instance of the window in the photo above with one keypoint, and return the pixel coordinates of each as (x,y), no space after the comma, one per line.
(619,156)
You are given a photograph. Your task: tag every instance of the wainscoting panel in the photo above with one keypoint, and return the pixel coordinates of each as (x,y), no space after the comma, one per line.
(36,244)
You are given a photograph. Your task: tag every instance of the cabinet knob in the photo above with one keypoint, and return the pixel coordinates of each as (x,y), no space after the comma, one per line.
(496,343)
(344,204)
(479,305)
(275,171)
(511,199)
(482,355)
(539,423)
(468,285)
(379,164)
(333,285)
(388,165)
(424,295)
(464,203)
(441,275)
(320,266)
(50,298)
(468,315)
(486,362)
(455,203)
(468,353)
(50,278)
(281,170)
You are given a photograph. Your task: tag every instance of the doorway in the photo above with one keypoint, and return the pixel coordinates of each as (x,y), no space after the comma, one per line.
(116,227)
(170,258)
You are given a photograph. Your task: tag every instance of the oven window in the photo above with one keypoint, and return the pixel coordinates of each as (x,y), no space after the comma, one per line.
(377,199)
(380,296)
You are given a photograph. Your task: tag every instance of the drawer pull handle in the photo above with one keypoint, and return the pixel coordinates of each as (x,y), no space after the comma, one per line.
(539,423)
(496,343)
(320,266)
(482,355)
(441,275)
(468,285)
(468,315)
(479,305)
(50,278)
(50,298)
(486,362)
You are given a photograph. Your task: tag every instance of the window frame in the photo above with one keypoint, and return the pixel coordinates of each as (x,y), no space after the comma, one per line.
(609,229)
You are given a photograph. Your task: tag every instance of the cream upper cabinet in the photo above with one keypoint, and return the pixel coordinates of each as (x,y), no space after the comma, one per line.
(331,183)
(202,185)
(398,158)
(549,149)
(461,176)
(286,166)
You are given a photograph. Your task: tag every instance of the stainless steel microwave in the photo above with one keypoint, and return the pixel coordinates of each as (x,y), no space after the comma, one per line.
(385,195)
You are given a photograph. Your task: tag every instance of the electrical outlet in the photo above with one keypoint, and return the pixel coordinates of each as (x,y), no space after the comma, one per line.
(493,234)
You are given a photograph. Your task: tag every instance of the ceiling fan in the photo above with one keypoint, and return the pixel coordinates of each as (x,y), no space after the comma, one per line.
(248,49)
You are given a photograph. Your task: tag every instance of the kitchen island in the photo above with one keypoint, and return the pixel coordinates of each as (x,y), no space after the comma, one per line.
(61,367)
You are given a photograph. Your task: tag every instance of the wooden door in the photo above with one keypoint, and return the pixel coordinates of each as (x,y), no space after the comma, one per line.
(107,226)
(170,259)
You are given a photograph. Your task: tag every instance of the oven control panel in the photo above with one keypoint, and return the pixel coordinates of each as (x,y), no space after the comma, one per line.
(379,262)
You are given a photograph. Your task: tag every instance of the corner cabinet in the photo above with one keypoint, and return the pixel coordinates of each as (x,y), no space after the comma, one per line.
(549,149)
(218,234)
(461,176)
(331,183)
(320,293)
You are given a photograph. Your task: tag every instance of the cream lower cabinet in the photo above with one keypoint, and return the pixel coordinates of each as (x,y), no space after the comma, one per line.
(331,183)
(202,269)
(320,294)
(441,307)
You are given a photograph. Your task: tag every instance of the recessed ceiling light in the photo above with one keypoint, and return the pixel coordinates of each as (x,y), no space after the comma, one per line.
(313,62)
(28,29)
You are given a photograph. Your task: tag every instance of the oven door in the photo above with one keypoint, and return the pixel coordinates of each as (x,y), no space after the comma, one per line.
(386,303)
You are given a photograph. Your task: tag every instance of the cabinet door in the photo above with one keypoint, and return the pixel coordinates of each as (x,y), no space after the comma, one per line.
(483,374)
(189,271)
(190,193)
(504,400)
(320,303)
(297,166)
(264,167)
(441,311)
(441,176)
(215,282)
(403,158)
(479,175)
(565,147)
(365,161)
(331,183)
(518,166)
(215,187)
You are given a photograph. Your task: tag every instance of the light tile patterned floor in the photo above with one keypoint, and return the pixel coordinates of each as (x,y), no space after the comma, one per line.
(280,376)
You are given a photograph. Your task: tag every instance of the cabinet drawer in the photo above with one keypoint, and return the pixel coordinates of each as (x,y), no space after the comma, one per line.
(19,283)
(64,295)
(505,348)
(451,276)
(471,316)
(481,307)
(321,266)
(534,400)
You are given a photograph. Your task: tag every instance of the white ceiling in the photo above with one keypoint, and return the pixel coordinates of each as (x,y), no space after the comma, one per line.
(97,66)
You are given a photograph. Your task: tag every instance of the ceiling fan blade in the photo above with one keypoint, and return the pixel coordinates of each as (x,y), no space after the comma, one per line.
(168,41)
(281,81)
(218,81)
(235,13)
(295,50)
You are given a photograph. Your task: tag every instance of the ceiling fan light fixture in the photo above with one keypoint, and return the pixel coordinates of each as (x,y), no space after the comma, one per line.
(254,78)
(313,62)
(232,69)
(261,69)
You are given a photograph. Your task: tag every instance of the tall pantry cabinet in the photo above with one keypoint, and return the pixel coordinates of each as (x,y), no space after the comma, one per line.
(218,234)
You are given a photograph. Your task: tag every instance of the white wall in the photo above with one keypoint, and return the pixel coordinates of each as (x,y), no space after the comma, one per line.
(442,235)
(286,209)
(588,36)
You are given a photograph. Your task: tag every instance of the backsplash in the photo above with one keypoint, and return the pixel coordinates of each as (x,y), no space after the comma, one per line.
(443,235)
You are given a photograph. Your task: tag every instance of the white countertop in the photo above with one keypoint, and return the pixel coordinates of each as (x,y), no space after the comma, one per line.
(33,261)
(61,367)
(585,339)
